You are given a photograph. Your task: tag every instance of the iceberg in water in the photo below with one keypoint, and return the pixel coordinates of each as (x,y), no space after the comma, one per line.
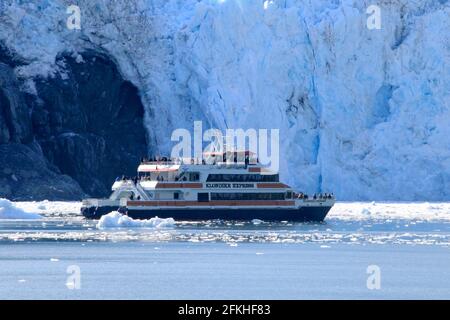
(9,211)
(53,208)
(117,220)
(420,211)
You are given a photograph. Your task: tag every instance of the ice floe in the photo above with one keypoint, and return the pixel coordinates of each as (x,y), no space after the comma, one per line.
(117,220)
(390,210)
(324,240)
(356,211)
(8,210)
(51,208)
(348,223)
(257,221)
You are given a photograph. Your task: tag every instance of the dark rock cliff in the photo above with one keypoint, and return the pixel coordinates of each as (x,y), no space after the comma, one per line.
(82,129)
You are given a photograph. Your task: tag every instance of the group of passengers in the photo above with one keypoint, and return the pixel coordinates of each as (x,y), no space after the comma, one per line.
(319,196)
(135,179)
(156,159)
(160,159)
(194,161)
(132,197)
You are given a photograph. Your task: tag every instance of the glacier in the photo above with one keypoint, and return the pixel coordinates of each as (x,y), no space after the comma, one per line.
(363,113)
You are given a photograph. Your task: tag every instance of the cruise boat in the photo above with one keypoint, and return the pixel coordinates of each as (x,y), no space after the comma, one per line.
(215,188)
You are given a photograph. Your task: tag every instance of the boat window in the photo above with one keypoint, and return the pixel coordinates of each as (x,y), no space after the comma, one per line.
(194,176)
(176,196)
(143,175)
(247,196)
(203,197)
(242,178)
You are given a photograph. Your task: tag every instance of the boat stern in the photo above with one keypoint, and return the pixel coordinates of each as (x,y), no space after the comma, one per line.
(95,208)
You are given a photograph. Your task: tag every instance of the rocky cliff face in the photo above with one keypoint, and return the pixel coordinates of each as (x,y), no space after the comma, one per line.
(79,130)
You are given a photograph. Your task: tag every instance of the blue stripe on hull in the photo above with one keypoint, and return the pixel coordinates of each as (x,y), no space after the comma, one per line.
(303,214)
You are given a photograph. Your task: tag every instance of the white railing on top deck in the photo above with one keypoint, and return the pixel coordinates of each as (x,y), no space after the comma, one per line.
(230,165)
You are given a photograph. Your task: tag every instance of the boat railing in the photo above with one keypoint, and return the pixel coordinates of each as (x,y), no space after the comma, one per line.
(161,163)
(129,183)
(197,163)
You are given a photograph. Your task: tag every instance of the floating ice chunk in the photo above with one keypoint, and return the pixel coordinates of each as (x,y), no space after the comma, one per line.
(117,220)
(423,211)
(8,210)
(50,208)
(43,205)
(257,221)
(54,259)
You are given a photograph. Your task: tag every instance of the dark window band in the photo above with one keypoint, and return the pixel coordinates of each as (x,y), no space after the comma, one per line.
(247,196)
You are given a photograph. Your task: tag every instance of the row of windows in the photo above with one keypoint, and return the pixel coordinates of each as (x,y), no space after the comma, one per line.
(190,176)
(247,196)
(242,178)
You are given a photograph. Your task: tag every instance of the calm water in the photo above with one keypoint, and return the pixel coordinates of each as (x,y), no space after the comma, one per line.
(224,260)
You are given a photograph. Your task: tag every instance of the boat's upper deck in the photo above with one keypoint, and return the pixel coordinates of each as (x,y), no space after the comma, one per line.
(215,167)
(235,176)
